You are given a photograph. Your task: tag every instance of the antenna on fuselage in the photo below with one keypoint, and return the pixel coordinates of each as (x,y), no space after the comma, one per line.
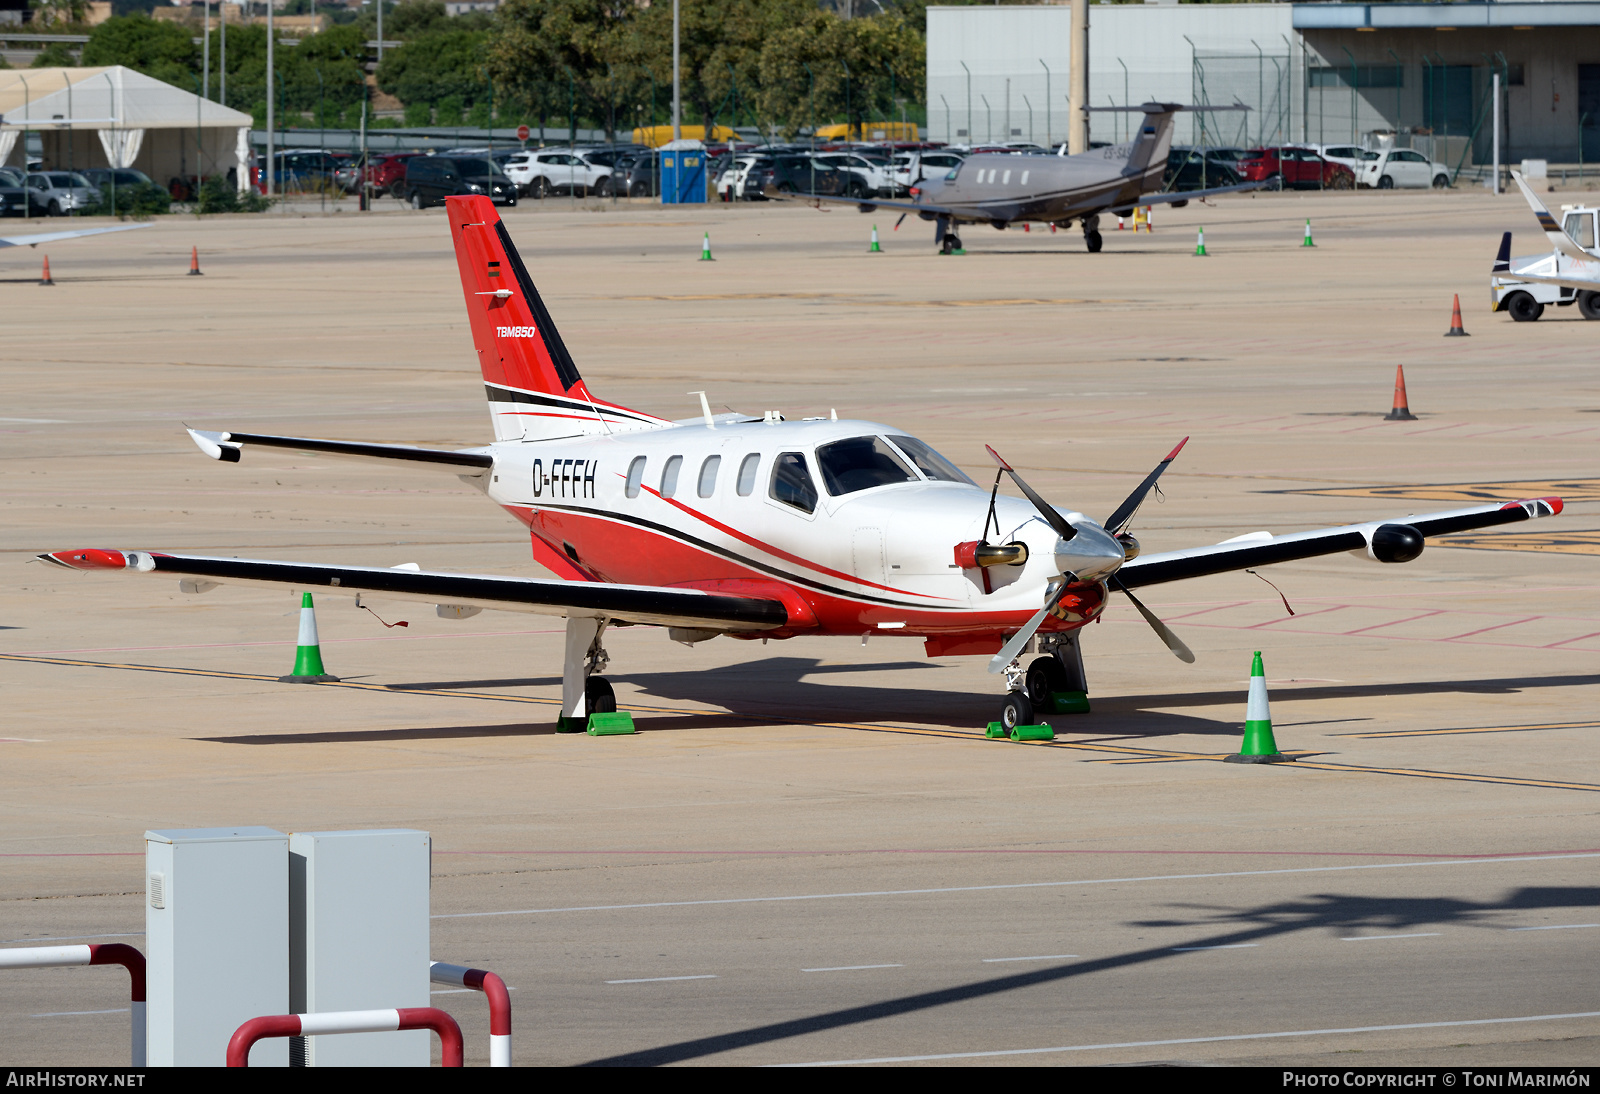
(705,408)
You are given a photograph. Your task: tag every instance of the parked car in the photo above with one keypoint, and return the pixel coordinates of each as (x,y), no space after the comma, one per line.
(643,179)
(431,179)
(387,174)
(1194,169)
(57,193)
(566,170)
(865,177)
(13,195)
(1401,167)
(303,170)
(796,175)
(104,177)
(911,168)
(1294,168)
(1348,155)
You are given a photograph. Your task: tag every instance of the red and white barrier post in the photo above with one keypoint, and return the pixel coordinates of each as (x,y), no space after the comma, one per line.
(499,1004)
(347,1021)
(113,953)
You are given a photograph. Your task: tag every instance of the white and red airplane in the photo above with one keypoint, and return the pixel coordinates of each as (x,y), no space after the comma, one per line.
(757,527)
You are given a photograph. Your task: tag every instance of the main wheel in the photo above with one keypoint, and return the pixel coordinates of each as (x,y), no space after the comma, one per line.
(1386,183)
(1589,304)
(855,189)
(1524,308)
(1274,182)
(602,188)
(397,189)
(1441,182)
(1045,678)
(638,190)
(598,698)
(1017,710)
(1093,241)
(416,200)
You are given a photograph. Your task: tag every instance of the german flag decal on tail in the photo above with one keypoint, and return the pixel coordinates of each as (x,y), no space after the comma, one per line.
(533,385)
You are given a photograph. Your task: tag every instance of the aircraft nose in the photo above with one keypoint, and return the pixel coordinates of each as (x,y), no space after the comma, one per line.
(1092,554)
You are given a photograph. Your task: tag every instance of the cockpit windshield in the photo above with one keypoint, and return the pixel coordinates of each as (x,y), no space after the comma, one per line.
(861,463)
(929,462)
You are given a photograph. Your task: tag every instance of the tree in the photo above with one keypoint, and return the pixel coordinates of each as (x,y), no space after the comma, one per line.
(162,50)
(436,66)
(857,68)
(550,54)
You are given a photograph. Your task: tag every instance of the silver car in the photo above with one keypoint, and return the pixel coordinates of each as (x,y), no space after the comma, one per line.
(57,193)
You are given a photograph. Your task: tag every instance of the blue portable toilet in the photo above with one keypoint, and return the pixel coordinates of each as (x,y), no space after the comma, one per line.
(681,166)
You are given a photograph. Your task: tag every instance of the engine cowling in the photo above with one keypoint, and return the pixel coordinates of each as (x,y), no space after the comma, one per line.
(1394,543)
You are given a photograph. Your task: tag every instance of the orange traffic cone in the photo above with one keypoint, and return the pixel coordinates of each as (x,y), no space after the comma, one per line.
(1402,410)
(45,278)
(194,261)
(1456,330)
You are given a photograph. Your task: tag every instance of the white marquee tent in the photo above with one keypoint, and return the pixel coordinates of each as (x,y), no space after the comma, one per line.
(135,120)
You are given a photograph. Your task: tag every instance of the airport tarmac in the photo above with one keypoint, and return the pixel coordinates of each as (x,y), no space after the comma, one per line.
(809,853)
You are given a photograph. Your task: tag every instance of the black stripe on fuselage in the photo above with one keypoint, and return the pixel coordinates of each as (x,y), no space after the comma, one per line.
(712,548)
(498,394)
(566,369)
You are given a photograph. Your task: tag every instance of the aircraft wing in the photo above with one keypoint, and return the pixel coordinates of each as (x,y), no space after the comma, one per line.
(1263,549)
(50,237)
(868,204)
(1185,195)
(1559,239)
(969,213)
(1570,282)
(229,447)
(628,603)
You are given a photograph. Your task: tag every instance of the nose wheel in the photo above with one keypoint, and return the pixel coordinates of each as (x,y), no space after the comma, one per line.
(1016,710)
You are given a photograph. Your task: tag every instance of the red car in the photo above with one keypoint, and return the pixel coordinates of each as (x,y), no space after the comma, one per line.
(387,174)
(1296,168)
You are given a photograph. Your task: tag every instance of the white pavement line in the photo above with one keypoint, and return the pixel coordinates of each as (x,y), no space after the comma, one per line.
(662,979)
(853,968)
(1020,885)
(72,937)
(1195,1040)
(1381,937)
(1556,927)
(74,1013)
(1040,957)
(1234,946)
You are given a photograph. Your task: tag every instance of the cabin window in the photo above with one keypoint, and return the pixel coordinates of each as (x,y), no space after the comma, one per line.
(1005,180)
(1580,226)
(1025,178)
(635,476)
(747,473)
(861,463)
(669,476)
(929,462)
(791,482)
(708,476)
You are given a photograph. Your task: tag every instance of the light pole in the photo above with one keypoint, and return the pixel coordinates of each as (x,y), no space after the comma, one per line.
(271,187)
(968,71)
(1125,94)
(1047,101)
(677,119)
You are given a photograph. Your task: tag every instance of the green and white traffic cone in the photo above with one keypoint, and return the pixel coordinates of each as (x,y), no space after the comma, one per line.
(1307,241)
(1200,245)
(1259,747)
(308,654)
(705,249)
(874,249)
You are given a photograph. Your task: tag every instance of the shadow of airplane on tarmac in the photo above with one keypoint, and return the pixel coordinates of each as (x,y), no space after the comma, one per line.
(1333,913)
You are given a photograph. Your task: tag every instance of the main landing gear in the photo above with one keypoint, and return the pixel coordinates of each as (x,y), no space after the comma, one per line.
(1053,683)
(951,243)
(582,692)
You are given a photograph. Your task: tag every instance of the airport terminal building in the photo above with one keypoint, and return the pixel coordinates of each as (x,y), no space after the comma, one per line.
(1318,72)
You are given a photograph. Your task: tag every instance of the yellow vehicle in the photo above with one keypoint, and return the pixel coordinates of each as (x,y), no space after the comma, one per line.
(654,136)
(869,131)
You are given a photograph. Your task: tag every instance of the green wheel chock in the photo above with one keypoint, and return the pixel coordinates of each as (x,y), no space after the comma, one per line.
(611,725)
(1033,733)
(995,730)
(569,725)
(1069,702)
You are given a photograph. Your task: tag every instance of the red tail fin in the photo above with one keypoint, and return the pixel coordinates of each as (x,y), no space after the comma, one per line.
(533,385)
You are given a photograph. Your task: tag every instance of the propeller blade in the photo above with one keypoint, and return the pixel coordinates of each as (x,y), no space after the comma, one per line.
(1012,648)
(1046,510)
(1119,520)
(1174,643)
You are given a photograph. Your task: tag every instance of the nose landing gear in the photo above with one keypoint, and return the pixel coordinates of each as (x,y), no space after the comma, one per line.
(1053,683)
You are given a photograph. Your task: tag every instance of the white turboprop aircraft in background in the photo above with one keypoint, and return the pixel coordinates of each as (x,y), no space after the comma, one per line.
(1572,264)
(50,237)
(751,526)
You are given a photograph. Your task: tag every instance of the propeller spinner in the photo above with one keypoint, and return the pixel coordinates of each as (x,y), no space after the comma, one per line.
(1089,552)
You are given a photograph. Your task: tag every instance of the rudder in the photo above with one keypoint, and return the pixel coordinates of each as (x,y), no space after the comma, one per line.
(532,382)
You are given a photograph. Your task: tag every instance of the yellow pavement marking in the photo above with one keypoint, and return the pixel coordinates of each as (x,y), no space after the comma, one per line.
(1474,729)
(1560,543)
(1127,753)
(1565,489)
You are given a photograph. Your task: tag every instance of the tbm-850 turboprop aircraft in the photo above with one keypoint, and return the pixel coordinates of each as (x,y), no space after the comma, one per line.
(1002,188)
(756,527)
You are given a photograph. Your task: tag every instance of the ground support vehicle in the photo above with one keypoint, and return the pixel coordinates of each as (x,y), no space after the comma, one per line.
(1525,301)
